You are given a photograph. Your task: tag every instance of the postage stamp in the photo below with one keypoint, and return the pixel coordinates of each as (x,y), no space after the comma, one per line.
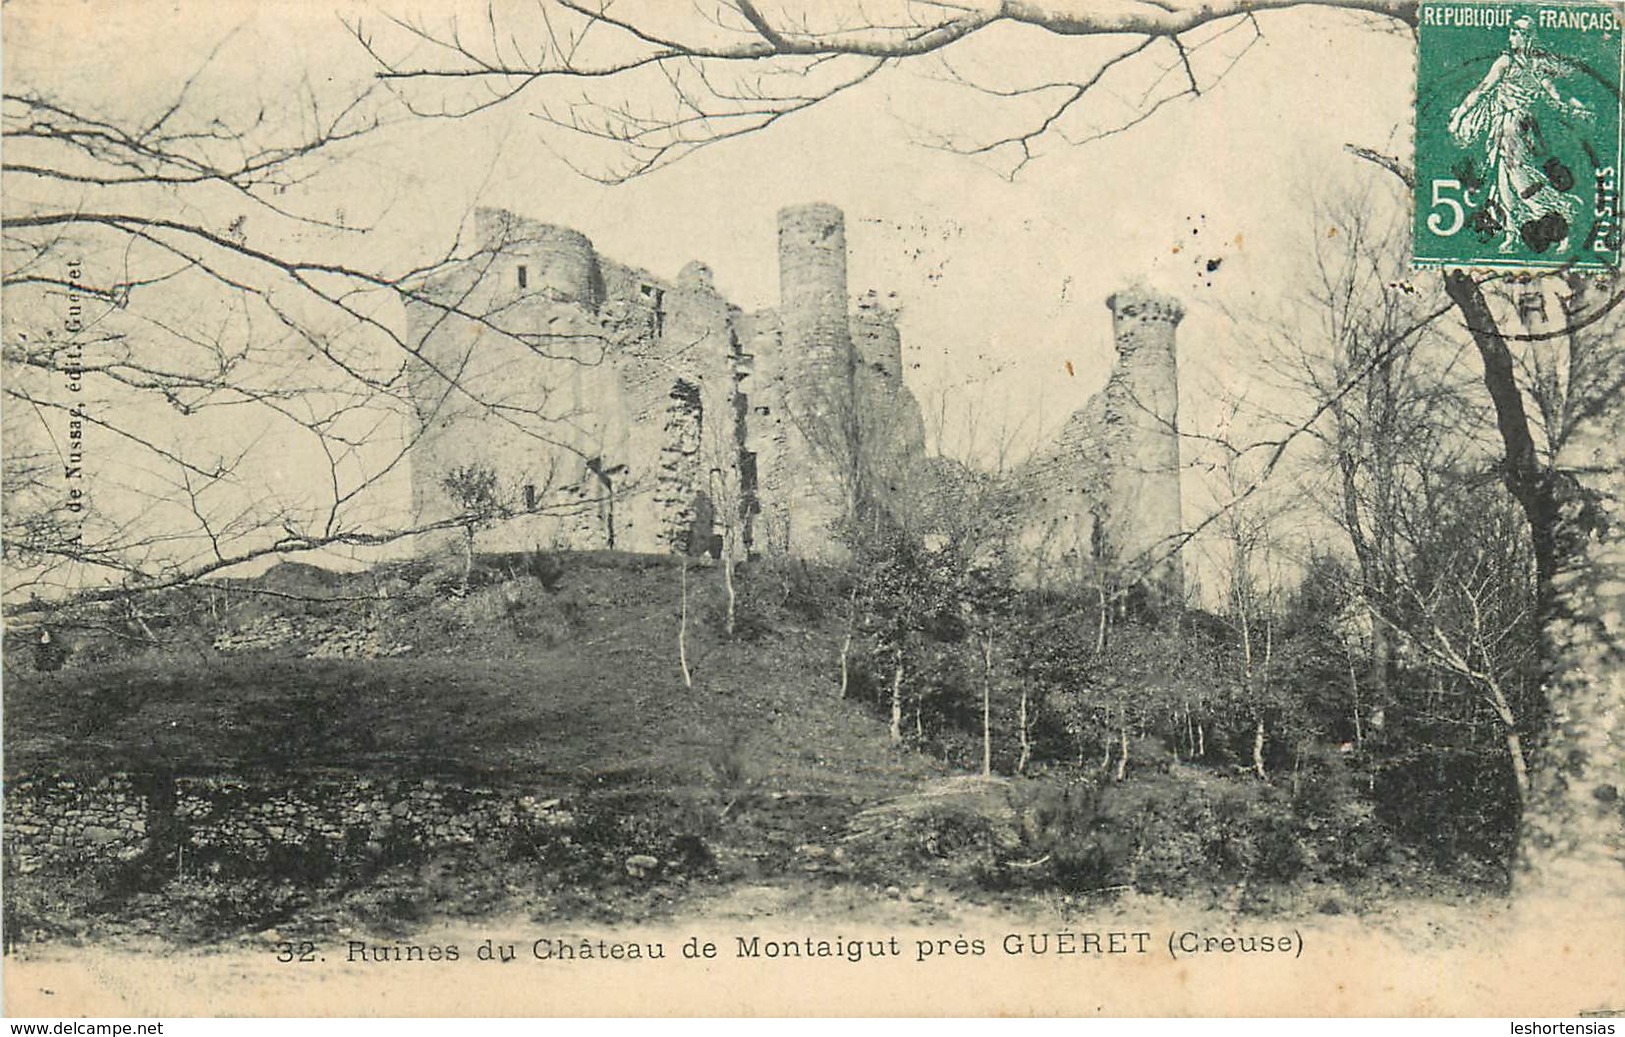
(1518,135)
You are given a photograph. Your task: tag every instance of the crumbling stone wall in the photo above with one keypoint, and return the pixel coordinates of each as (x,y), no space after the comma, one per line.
(1106,494)
(70,821)
(891,427)
(557,372)
(1058,500)
(624,411)
(621,410)
(1143,519)
(680,494)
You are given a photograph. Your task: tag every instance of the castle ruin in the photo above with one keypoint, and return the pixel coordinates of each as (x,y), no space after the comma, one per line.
(1106,493)
(618,410)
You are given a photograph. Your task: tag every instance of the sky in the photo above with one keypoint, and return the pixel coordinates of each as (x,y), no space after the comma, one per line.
(1000,282)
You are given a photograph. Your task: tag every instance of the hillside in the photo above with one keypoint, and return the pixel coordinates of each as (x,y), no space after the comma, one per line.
(381,749)
(275,703)
(575,677)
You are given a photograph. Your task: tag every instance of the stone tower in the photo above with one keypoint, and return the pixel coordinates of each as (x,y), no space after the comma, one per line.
(1143,524)
(812,288)
(816,364)
(557,263)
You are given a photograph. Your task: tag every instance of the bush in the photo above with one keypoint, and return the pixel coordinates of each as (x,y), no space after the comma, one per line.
(1066,832)
(808,592)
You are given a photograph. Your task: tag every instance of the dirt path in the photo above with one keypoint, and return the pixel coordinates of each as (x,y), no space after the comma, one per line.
(1415,958)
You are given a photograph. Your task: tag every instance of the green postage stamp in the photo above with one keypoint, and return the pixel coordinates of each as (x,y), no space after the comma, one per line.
(1518,135)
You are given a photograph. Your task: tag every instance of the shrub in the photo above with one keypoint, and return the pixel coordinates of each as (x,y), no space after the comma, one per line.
(1066,832)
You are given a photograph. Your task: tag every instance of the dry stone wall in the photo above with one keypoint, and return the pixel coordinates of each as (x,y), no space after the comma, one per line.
(62,821)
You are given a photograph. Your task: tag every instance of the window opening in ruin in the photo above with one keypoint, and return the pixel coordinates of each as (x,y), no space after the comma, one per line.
(530,497)
(524,276)
(703,538)
(763,411)
(1097,537)
(687,394)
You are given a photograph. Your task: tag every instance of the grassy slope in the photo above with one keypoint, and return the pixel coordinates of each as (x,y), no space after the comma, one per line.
(581,682)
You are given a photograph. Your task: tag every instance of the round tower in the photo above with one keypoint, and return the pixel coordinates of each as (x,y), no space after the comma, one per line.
(1144,523)
(812,289)
(815,378)
(545,259)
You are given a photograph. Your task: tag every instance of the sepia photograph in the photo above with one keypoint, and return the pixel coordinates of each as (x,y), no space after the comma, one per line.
(530,508)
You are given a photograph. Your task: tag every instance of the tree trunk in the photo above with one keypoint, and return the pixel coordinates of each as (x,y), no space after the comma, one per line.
(1258,750)
(682,629)
(846,642)
(733,595)
(1522,471)
(987,707)
(846,652)
(897,702)
(468,556)
(1573,838)
(1026,742)
(1571,845)
(1520,769)
(1354,693)
(1100,627)
(1509,726)
(1122,744)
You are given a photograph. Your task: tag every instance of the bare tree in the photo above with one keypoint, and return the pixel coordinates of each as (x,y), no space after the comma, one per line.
(1362,349)
(203,367)
(1468,611)
(722,70)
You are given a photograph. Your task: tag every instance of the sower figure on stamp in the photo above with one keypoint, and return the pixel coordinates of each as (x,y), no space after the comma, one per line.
(1526,189)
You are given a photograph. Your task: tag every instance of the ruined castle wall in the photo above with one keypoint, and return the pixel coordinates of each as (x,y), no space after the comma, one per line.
(625,411)
(891,426)
(1106,493)
(560,262)
(1144,519)
(516,381)
(587,385)
(878,343)
(680,381)
(1059,499)
(767,430)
